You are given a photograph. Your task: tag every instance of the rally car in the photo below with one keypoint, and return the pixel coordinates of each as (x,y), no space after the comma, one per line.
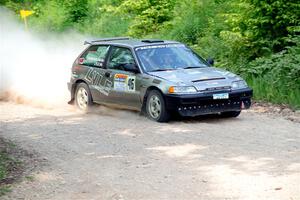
(156,77)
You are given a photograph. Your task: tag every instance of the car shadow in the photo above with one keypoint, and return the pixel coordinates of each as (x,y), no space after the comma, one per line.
(209,118)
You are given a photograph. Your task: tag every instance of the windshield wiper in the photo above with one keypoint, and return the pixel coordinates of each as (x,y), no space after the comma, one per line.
(159,70)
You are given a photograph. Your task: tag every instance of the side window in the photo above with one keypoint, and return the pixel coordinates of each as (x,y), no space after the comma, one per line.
(119,58)
(94,56)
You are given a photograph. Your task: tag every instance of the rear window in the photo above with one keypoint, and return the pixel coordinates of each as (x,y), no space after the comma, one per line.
(94,56)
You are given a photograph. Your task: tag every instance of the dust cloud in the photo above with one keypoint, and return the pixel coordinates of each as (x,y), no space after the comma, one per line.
(35,67)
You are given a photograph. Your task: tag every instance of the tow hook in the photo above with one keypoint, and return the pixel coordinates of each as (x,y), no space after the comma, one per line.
(242,105)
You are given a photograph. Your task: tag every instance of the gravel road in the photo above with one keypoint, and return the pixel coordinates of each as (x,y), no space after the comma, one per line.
(120,155)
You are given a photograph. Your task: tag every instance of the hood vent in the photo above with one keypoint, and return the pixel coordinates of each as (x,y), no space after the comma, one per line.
(209,79)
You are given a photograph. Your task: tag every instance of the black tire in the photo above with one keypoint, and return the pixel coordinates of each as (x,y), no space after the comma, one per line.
(230,114)
(79,101)
(163,115)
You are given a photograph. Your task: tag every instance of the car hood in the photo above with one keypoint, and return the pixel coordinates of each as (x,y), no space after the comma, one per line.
(201,78)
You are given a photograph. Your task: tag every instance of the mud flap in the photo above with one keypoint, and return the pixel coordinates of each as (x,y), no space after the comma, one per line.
(71,102)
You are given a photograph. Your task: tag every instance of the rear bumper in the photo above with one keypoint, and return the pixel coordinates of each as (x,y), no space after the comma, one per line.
(70,85)
(201,104)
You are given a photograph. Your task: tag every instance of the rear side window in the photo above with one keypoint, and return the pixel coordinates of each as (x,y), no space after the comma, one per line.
(94,56)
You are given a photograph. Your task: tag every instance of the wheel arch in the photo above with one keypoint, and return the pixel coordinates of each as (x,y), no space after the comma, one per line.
(73,89)
(149,89)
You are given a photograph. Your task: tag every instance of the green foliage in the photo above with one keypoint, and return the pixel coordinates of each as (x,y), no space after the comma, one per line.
(17,5)
(4,190)
(278,93)
(77,10)
(272,20)
(147,16)
(264,24)
(191,19)
(101,21)
(105,25)
(276,78)
(53,16)
(278,67)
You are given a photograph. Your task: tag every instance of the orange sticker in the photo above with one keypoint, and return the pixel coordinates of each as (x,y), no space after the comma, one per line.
(121,76)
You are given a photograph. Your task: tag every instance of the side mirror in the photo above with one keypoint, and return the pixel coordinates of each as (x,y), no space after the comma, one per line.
(131,67)
(210,61)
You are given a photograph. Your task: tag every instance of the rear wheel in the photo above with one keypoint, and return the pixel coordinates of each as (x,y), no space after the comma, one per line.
(83,97)
(156,107)
(231,114)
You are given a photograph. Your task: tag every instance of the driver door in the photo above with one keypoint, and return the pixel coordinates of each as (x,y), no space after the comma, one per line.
(125,90)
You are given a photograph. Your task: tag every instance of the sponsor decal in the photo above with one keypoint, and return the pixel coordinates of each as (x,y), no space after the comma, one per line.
(99,63)
(94,78)
(123,82)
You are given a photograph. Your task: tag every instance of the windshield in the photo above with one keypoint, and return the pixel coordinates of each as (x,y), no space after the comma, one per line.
(168,57)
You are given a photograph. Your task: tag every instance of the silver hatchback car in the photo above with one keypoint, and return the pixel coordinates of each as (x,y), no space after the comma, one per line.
(156,77)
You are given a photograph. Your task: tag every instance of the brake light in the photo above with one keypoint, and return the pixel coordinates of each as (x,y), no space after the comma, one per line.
(76,68)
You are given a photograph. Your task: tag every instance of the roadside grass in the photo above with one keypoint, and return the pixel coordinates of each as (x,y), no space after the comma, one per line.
(5,162)
(4,189)
(29,178)
(278,94)
(9,167)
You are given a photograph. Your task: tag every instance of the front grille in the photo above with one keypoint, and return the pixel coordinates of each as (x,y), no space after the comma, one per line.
(214,89)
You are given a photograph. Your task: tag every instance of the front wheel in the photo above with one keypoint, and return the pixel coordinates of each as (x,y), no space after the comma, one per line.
(231,114)
(156,107)
(83,97)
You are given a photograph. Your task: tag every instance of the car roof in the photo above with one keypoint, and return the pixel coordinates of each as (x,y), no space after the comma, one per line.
(129,42)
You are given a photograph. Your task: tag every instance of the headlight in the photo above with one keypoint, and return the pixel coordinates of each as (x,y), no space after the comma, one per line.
(239,84)
(182,89)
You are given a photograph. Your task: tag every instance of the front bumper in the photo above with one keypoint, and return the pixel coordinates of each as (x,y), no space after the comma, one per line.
(203,103)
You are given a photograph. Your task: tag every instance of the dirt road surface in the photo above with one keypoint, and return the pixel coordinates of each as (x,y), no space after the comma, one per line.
(120,155)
